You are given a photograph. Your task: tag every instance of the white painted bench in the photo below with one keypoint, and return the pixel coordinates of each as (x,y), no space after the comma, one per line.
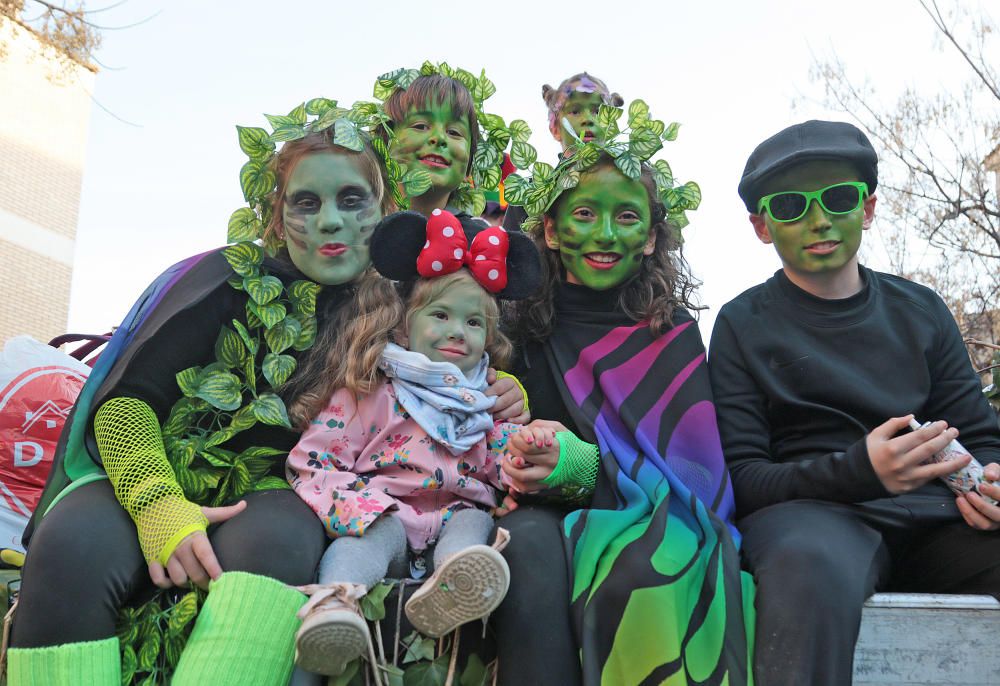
(927,639)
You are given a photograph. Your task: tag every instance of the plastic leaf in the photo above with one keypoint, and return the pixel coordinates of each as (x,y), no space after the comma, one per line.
(416,182)
(515,189)
(277,368)
(263,289)
(188,380)
(243,226)
(221,390)
(346,134)
(229,348)
(522,155)
(671,132)
(183,612)
(269,314)
(255,142)
(628,165)
(307,334)
(283,334)
(520,131)
(638,112)
(271,483)
(256,179)
(269,409)
(317,106)
(244,257)
(303,296)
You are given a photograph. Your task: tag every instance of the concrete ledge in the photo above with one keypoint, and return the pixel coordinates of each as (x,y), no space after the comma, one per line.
(928,639)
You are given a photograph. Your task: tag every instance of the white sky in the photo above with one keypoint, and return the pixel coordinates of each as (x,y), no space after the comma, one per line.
(729,71)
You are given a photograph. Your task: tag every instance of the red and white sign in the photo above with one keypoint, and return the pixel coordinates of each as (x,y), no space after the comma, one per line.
(38,386)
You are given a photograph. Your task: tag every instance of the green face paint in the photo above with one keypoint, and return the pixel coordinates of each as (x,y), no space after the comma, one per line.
(452,327)
(435,140)
(329,213)
(819,242)
(603,229)
(581,112)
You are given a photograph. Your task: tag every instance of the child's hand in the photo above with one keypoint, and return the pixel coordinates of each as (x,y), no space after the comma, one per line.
(978,513)
(194,559)
(534,453)
(509,406)
(899,462)
(508,505)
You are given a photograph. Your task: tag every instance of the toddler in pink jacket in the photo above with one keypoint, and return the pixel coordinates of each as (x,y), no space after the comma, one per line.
(402,452)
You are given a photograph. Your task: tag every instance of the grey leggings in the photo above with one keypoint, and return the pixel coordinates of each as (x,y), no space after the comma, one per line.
(368,558)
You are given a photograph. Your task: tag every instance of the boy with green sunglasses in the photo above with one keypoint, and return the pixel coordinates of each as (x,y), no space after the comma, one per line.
(816,374)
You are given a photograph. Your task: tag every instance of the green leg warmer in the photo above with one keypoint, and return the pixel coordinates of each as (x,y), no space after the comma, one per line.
(244,634)
(91,663)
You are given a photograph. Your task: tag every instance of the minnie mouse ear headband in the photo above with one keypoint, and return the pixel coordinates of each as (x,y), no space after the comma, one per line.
(408,245)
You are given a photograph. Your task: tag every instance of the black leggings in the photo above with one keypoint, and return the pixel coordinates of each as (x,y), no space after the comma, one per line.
(535,640)
(84,562)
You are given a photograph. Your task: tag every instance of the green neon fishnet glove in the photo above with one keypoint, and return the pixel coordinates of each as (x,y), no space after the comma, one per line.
(505,375)
(578,463)
(131,447)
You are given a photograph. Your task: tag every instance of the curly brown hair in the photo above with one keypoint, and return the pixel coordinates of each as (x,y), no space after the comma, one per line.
(664,281)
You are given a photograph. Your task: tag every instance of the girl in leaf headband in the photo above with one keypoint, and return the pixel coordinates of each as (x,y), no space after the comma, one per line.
(402,450)
(609,349)
(451,148)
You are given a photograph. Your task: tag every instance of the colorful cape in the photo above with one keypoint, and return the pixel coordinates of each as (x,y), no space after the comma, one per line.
(657,592)
(73,463)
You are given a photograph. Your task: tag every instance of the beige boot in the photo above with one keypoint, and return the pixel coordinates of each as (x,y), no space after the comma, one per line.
(468,585)
(333,632)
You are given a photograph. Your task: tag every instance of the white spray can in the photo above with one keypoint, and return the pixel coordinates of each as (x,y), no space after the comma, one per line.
(966,479)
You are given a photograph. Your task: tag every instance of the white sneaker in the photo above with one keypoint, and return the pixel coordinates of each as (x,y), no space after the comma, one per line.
(469,585)
(333,632)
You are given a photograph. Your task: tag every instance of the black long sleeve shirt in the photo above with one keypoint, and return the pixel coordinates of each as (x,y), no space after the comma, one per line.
(800,381)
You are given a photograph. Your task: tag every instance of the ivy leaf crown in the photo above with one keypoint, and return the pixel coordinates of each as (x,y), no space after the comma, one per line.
(351,127)
(495,135)
(631,145)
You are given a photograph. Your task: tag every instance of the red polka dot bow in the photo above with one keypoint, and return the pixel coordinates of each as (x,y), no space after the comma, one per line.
(447,250)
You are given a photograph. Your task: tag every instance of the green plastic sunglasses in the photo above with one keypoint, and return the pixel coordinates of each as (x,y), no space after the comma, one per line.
(791,206)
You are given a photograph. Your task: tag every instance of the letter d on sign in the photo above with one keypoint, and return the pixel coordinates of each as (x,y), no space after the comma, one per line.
(19,458)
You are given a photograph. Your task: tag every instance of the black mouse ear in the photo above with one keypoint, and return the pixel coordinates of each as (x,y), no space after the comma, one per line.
(396,243)
(524,268)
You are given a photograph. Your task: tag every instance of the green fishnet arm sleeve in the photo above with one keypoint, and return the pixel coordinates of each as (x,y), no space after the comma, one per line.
(505,375)
(131,447)
(578,463)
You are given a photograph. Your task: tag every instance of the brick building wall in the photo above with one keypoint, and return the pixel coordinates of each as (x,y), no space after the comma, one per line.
(44,116)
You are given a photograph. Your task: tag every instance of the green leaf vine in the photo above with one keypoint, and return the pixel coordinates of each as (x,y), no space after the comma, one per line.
(630,144)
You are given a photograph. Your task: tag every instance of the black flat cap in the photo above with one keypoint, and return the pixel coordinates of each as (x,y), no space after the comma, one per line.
(811,140)
(400,237)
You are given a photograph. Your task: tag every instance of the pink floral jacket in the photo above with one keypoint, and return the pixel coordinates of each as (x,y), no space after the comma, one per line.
(360,459)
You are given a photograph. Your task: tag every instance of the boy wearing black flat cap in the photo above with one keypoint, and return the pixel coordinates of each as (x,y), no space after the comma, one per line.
(816,374)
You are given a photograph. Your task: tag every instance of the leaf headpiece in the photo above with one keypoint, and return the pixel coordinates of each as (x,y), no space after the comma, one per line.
(630,146)
(494,135)
(351,127)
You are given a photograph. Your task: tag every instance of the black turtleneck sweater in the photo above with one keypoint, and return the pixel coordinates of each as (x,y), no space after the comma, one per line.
(530,365)
(800,381)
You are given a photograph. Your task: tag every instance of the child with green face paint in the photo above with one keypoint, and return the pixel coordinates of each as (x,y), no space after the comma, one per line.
(435,128)
(402,452)
(817,373)
(576,103)
(610,355)
(117,521)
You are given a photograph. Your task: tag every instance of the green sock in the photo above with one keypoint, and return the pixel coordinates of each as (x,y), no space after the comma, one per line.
(244,634)
(90,663)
